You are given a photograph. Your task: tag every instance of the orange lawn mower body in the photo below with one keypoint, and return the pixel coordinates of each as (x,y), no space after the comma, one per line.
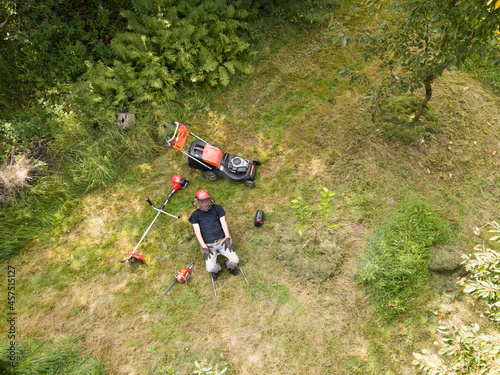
(209,159)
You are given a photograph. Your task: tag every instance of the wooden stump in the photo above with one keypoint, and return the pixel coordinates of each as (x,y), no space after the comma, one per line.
(126,120)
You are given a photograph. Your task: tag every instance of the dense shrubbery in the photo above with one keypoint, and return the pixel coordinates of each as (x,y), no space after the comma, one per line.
(464,349)
(48,42)
(395,267)
(173,42)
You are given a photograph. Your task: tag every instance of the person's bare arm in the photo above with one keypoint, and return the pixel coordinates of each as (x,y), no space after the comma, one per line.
(207,253)
(197,233)
(229,241)
(225,227)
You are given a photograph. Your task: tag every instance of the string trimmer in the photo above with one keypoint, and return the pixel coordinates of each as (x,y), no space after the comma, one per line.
(182,276)
(178,183)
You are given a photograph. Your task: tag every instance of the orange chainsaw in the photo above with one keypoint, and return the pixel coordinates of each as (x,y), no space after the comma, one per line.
(182,277)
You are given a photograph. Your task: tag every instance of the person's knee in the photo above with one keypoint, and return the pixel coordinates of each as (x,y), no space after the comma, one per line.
(210,268)
(233,259)
(215,267)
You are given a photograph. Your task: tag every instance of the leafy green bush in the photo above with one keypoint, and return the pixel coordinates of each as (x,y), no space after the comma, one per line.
(395,266)
(20,131)
(45,43)
(467,352)
(55,38)
(463,350)
(171,43)
(483,268)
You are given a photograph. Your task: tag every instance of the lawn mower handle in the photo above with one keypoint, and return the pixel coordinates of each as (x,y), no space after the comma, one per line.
(173,136)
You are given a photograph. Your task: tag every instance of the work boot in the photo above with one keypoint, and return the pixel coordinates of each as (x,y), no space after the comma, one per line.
(234,271)
(216,274)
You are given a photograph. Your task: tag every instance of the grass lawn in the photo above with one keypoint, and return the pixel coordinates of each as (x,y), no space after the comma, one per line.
(303,311)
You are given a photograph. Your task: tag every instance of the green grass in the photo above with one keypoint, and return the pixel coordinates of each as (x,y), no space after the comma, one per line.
(394,270)
(302,313)
(35,357)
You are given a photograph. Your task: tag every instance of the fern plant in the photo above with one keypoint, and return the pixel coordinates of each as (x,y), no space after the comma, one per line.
(174,42)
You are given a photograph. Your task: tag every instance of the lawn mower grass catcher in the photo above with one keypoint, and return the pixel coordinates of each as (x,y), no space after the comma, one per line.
(211,160)
(178,183)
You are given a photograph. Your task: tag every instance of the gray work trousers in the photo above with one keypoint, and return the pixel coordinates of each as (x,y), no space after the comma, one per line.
(220,248)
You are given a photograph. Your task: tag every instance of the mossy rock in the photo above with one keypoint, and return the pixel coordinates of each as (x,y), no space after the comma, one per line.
(444,259)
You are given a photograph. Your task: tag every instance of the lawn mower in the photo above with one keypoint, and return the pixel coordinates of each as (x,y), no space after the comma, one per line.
(211,160)
(178,183)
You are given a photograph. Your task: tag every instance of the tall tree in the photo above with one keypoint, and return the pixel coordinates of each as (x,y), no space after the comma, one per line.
(417,40)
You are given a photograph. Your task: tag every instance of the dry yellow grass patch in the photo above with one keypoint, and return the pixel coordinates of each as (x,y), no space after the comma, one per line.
(15,175)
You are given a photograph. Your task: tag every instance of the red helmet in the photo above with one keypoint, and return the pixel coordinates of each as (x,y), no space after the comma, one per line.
(202,194)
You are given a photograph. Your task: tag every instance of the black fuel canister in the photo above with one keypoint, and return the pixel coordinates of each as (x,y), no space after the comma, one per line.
(259,218)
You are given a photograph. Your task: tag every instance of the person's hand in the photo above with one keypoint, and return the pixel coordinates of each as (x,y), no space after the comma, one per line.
(207,253)
(229,245)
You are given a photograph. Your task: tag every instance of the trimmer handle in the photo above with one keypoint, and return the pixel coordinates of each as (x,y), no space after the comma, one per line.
(149,201)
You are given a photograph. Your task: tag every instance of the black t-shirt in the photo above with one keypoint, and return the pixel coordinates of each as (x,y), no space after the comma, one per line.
(209,221)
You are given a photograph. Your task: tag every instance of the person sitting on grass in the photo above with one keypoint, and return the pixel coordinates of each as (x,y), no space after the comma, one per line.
(212,233)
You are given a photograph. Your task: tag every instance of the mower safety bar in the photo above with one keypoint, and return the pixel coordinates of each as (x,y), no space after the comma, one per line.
(170,140)
(183,132)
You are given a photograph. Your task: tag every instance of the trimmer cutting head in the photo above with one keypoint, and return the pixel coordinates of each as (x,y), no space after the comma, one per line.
(132,256)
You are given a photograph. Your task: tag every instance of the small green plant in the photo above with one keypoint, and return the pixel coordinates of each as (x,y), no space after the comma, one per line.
(483,268)
(469,352)
(207,370)
(158,368)
(307,218)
